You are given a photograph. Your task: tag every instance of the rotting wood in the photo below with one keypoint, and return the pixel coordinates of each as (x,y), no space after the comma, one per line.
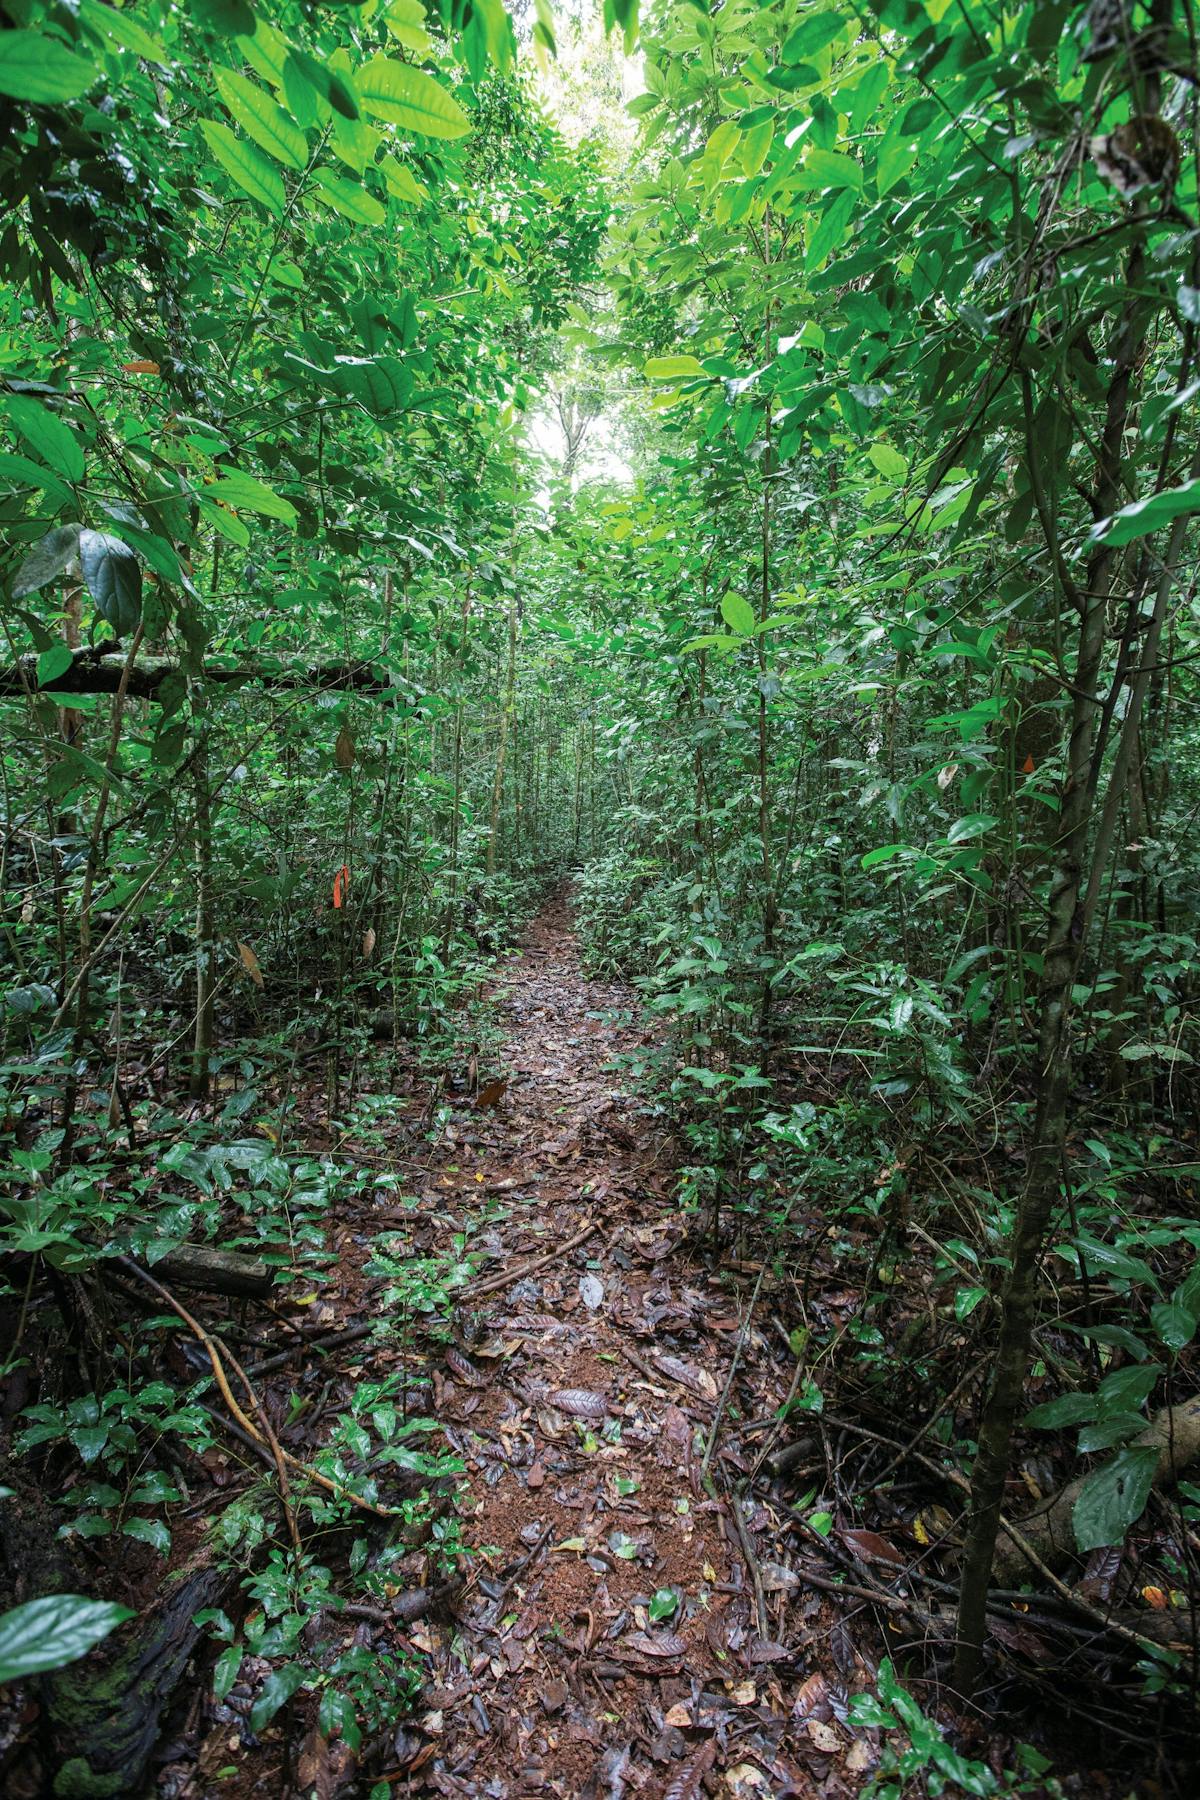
(92,673)
(217,1271)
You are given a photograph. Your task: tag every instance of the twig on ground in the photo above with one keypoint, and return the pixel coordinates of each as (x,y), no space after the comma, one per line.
(494,1283)
(733,1369)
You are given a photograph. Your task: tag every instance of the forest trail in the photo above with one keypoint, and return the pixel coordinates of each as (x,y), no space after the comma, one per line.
(581,1398)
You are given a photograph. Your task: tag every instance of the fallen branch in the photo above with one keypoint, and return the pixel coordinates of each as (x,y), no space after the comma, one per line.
(266,1436)
(91,672)
(218,1271)
(495,1283)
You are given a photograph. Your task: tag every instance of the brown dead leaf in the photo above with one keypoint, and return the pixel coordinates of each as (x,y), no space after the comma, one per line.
(250,963)
(870,1547)
(686,1785)
(490,1096)
(823,1737)
(343,749)
(581,1403)
(324,1767)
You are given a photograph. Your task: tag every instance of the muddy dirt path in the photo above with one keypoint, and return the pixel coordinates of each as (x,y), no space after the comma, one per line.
(610,1640)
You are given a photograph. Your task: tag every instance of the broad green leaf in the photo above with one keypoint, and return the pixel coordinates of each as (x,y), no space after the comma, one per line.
(402,182)
(1113,1498)
(51,1632)
(1068,1409)
(314,89)
(52,663)
(408,97)
(230,18)
(149,1531)
(242,162)
(1175,1325)
(22,472)
(885,853)
(405,19)
(973,826)
(272,129)
(813,35)
(830,169)
(122,29)
(738,614)
(226,1672)
(889,462)
(349,198)
(47,561)
(113,577)
(40,69)
(1149,514)
(672,368)
(247,492)
(279,1687)
(49,436)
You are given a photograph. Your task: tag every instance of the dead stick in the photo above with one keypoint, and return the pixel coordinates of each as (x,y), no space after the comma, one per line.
(733,1368)
(1103,1620)
(751,1562)
(222,1380)
(494,1283)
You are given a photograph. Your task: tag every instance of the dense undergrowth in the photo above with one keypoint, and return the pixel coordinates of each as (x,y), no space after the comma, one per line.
(852,683)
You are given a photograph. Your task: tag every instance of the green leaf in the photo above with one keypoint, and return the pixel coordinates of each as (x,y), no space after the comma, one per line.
(247,492)
(889,462)
(51,1632)
(36,67)
(113,577)
(336,1716)
(122,29)
(1068,1409)
(23,472)
(830,169)
(409,97)
(261,118)
(738,614)
(52,663)
(664,1604)
(672,368)
(47,435)
(1175,1325)
(1113,1498)
(149,1531)
(1148,515)
(252,172)
(813,35)
(50,557)
(312,89)
(883,854)
(230,18)
(276,1689)
(226,1672)
(350,198)
(973,826)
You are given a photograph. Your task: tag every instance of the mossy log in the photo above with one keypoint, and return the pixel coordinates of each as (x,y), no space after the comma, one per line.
(104,1714)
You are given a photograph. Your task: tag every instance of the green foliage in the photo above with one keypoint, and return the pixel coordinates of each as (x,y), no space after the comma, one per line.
(52,1632)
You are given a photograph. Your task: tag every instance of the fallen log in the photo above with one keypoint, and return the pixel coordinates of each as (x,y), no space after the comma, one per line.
(1174,1433)
(217,1271)
(105,1714)
(96,673)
